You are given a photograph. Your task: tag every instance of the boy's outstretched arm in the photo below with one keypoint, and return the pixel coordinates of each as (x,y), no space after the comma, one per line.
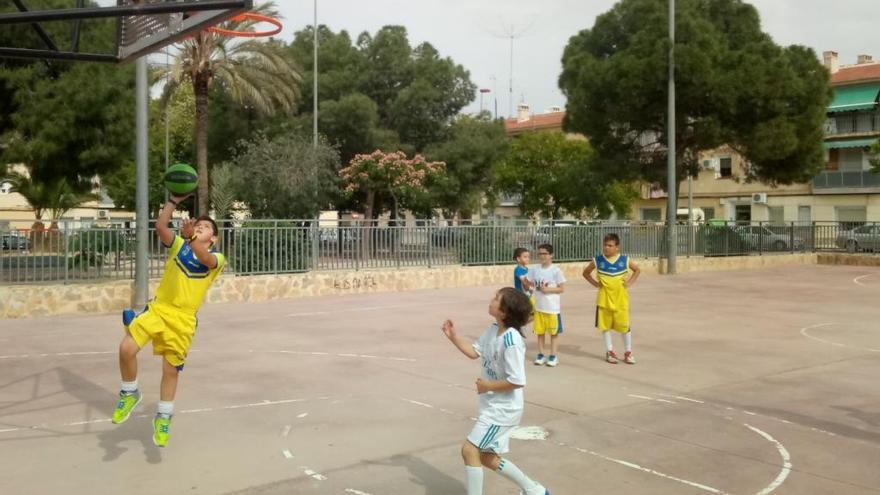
(166,235)
(464,346)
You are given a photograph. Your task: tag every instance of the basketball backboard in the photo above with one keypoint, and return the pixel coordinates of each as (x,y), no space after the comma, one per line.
(142,26)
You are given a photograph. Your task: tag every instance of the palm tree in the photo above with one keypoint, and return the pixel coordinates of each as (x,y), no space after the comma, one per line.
(56,196)
(254,72)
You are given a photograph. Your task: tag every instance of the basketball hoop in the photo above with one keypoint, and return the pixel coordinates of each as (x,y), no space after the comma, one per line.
(249,16)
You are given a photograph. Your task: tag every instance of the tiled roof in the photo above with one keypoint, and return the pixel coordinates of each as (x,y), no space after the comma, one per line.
(541,121)
(856,73)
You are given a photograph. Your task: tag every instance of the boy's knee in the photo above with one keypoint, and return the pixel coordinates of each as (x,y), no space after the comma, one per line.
(128,348)
(490,460)
(470,453)
(169,369)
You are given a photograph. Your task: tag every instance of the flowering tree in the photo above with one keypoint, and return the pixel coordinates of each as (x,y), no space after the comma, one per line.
(403,179)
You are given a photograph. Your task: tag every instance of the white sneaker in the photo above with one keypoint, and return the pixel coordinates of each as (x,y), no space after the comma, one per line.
(537,490)
(540,360)
(552,361)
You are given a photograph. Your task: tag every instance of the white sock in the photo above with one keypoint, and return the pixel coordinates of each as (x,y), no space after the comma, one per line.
(130,387)
(166,407)
(474,477)
(628,341)
(606,336)
(511,472)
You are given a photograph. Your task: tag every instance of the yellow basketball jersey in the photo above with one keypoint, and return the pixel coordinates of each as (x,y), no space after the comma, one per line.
(186,280)
(612,273)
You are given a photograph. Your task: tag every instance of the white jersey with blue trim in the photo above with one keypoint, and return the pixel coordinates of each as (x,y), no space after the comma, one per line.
(502,357)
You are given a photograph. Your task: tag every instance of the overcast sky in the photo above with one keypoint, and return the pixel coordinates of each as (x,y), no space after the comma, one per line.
(473,33)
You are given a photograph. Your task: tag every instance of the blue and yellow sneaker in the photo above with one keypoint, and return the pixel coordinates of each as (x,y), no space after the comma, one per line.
(160,429)
(125,406)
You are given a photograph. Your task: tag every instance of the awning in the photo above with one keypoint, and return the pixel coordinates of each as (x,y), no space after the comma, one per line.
(849,143)
(850,98)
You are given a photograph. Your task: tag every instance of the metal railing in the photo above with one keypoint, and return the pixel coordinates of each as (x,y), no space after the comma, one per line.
(66,253)
(855,178)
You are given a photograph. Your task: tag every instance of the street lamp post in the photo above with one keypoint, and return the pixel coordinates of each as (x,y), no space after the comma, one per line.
(483,91)
(672,239)
(315,79)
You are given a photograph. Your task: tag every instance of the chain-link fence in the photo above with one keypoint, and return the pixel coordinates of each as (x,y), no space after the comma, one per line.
(66,252)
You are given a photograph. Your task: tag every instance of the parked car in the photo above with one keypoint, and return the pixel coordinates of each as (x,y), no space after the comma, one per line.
(445,236)
(13,241)
(542,234)
(864,238)
(760,237)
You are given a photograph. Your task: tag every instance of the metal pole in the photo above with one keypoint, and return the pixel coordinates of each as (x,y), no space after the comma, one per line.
(690,222)
(315,79)
(510,95)
(672,240)
(141,278)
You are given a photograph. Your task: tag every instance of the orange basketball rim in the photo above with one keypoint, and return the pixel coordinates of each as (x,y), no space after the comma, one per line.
(250,16)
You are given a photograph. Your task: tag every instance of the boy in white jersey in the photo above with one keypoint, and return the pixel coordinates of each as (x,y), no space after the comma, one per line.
(503,353)
(548,282)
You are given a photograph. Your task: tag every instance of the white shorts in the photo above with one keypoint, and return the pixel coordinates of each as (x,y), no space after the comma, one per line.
(489,437)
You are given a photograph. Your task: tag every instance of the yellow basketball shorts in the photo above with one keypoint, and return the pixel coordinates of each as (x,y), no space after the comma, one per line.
(548,323)
(170,330)
(608,319)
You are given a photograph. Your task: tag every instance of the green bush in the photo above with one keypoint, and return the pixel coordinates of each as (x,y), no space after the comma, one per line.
(93,247)
(269,247)
(484,245)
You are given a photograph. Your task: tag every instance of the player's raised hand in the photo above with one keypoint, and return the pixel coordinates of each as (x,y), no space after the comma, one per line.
(449,329)
(188,228)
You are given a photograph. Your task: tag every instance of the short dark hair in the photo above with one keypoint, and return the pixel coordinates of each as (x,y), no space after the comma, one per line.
(519,252)
(611,237)
(517,308)
(546,247)
(206,218)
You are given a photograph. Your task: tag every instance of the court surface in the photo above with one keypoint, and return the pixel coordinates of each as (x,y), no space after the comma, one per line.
(751,382)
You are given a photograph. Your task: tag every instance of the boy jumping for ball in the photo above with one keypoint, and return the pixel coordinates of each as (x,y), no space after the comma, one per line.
(502,352)
(612,301)
(169,321)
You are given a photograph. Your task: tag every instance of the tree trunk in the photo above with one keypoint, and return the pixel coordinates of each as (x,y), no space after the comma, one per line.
(200,88)
(367,230)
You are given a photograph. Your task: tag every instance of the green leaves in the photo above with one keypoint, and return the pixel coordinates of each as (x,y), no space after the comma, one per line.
(734,86)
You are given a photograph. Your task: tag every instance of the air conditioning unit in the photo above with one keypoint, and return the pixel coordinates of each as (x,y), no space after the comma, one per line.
(103,214)
(759,198)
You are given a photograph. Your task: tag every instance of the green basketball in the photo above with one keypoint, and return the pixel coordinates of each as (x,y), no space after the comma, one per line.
(181,179)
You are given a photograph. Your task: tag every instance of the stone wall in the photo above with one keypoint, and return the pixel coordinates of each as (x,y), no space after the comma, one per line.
(847,259)
(51,300)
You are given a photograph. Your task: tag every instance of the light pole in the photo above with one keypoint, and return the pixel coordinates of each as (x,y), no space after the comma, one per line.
(672,239)
(482,92)
(315,79)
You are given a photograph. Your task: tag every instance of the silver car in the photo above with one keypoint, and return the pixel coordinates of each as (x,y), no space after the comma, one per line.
(759,237)
(864,238)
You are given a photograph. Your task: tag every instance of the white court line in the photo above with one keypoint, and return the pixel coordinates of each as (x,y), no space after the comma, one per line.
(285,431)
(786,462)
(287,454)
(345,355)
(355,492)
(857,280)
(188,411)
(370,308)
(57,354)
(650,398)
(835,344)
(301,416)
(314,474)
(632,465)
(750,413)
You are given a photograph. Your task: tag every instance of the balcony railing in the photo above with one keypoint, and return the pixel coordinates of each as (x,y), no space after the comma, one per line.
(846,179)
(852,123)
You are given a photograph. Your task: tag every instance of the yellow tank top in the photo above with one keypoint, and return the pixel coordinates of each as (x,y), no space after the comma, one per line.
(612,273)
(186,280)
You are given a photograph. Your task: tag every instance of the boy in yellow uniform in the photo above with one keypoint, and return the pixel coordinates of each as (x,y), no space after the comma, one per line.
(169,321)
(612,301)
